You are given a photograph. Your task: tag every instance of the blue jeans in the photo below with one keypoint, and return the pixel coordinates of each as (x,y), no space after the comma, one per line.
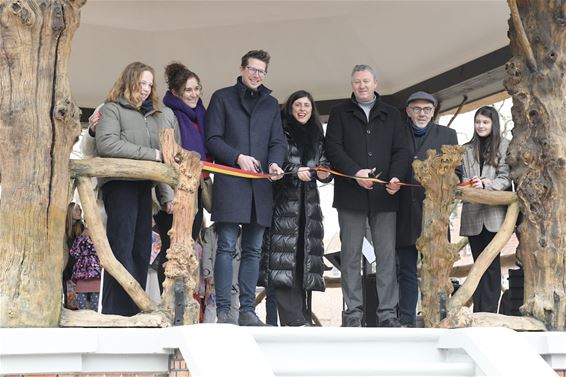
(252,238)
(408,284)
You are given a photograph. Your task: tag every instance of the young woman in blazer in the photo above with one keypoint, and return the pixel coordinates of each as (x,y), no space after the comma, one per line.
(484,165)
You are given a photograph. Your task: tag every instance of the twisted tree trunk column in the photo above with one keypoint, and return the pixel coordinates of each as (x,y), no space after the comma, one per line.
(38,126)
(436,175)
(536,78)
(182,266)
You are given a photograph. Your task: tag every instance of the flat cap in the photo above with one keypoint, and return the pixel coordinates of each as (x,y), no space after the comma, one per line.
(421,96)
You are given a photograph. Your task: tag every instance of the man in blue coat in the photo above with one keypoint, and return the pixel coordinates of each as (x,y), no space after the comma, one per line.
(365,136)
(422,135)
(243,130)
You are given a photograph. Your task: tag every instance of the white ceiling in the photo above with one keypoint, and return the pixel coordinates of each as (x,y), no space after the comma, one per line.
(313,44)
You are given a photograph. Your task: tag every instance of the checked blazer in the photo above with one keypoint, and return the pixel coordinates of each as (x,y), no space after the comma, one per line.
(475,216)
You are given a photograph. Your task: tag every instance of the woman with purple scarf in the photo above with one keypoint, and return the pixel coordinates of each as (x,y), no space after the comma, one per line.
(184,112)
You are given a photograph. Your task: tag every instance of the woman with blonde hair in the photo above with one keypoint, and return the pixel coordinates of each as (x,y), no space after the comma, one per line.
(129,128)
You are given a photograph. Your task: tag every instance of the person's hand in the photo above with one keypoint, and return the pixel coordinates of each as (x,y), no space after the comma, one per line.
(322,175)
(393,186)
(476,182)
(167,207)
(248,163)
(93,122)
(276,172)
(486,182)
(368,185)
(304,174)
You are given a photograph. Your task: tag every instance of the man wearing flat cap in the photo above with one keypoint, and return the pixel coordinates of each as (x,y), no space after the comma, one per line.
(422,135)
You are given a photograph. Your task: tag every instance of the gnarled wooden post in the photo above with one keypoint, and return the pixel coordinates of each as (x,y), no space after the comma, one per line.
(182,266)
(536,78)
(38,126)
(150,315)
(489,254)
(436,175)
(107,259)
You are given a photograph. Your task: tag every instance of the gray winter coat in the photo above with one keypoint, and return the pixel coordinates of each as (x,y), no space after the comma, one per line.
(171,122)
(124,132)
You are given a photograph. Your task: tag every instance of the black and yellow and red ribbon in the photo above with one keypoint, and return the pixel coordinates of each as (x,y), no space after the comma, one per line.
(235,172)
(371,179)
(467,184)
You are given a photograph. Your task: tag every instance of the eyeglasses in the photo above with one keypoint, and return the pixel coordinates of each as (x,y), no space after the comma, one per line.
(417,110)
(254,71)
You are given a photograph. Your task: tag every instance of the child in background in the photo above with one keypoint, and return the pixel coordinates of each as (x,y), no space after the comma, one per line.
(155,245)
(152,285)
(86,271)
(74,226)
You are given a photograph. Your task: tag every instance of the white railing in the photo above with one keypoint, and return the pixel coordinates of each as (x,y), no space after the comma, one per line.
(231,351)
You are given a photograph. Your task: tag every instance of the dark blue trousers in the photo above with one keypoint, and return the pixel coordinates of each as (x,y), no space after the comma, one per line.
(128,207)
(408,284)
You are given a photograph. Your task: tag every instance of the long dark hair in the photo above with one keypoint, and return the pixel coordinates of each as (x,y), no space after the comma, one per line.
(491,149)
(287,113)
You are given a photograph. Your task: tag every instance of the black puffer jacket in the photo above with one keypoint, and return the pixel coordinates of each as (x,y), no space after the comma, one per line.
(297,211)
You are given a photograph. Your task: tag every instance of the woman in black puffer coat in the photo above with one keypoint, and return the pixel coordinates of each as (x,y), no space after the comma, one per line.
(293,244)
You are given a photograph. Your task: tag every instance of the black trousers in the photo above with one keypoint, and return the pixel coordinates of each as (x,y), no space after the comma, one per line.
(294,303)
(164,222)
(128,207)
(486,296)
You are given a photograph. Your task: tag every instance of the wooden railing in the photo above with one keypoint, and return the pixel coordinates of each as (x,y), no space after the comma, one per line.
(181,171)
(436,175)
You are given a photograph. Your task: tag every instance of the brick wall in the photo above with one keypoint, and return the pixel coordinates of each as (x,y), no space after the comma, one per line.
(177,366)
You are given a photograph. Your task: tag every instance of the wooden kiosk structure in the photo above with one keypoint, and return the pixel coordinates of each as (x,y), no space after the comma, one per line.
(39,124)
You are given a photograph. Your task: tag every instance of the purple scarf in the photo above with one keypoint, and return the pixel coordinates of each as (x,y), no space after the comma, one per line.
(192,138)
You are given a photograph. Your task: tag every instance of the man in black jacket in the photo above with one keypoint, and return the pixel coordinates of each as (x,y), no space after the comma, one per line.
(422,135)
(365,136)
